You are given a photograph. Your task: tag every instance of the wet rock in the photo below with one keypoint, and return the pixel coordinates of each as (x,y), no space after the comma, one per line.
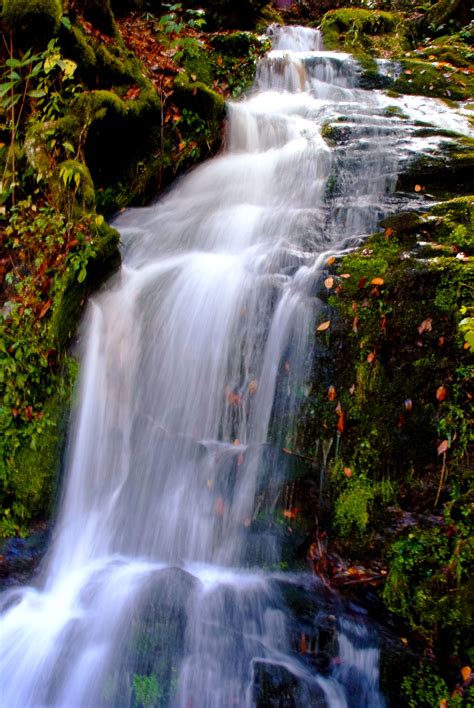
(275,686)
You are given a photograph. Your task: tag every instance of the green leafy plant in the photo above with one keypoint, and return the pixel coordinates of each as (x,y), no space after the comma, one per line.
(147,691)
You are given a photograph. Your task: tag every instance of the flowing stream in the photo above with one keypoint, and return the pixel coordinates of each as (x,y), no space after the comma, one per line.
(161,587)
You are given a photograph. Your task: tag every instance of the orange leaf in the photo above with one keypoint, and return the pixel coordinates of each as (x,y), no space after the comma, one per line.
(291,513)
(371,357)
(345,275)
(331,260)
(425,326)
(323,326)
(348,472)
(418,188)
(377,281)
(408,72)
(466,672)
(441,393)
(44,309)
(331,393)
(340,422)
(329,282)
(442,447)
(388,232)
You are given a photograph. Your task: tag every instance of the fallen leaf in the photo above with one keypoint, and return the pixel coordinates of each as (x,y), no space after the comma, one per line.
(388,232)
(442,447)
(352,389)
(362,282)
(425,326)
(303,647)
(441,392)
(348,472)
(323,326)
(408,72)
(371,357)
(332,393)
(329,282)
(219,507)
(291,513)
(331,260)
(345,275)
(253,386)
(44,309)
(408,404)
(377,281)
(355,324)
(466,672)
(418,188)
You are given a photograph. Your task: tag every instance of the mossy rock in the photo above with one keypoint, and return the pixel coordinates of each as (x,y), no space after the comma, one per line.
(445,172)
(367,31)
(455,223)
(424,78)
(74,189)
(36,467)
(32,21)
(74,295)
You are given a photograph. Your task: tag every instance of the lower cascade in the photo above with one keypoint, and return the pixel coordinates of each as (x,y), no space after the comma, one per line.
(163,585)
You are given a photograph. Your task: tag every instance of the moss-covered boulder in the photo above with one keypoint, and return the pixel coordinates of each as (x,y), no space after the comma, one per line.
(364,31)
(32,21)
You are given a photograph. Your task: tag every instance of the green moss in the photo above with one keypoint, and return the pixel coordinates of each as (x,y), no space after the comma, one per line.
(36,466)
(365,31)
(424,78)
(73,295)
(33,21)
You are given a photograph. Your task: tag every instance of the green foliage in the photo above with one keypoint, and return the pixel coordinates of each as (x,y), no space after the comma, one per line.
(47,252)
(35,90)
(147,691)
(32,20)
(423,687)
(351,510)
(430,572)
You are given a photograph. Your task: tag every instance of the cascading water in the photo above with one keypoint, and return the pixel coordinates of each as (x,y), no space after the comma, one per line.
(194,361)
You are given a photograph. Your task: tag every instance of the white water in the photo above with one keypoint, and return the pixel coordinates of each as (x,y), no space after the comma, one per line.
(194,359)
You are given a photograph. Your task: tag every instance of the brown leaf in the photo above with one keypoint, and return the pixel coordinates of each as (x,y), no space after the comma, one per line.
(466,672)
(345,275)
(377,281)
(388,232)
(362,282)
(331,260)
(441,392)
(348,472)
(303,647)
(323,326)
(371,357)
(418,187)
(442,447)
(408,404)
(332,393)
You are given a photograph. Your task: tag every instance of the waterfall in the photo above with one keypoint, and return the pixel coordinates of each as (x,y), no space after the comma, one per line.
(157,589)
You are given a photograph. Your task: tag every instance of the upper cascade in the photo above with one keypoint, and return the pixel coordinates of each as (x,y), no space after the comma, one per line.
(296,39)
(298,63)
